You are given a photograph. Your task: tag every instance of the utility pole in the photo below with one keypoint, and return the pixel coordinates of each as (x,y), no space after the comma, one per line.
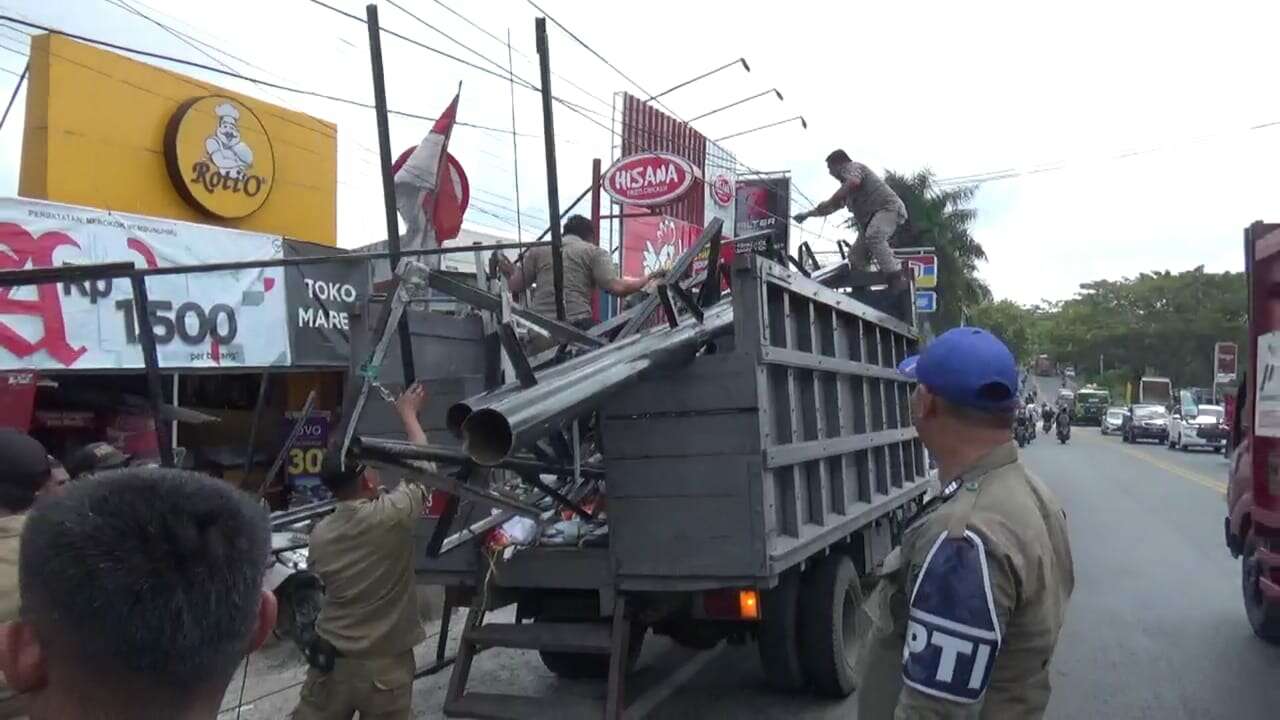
(553,185)
(388,182)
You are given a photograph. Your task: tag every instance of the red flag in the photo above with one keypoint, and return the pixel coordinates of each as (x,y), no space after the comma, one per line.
(431,188)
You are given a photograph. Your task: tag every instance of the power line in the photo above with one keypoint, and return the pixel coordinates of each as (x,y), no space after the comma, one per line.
(599,57)
(525,83)
(453,40)
(510,76)
(14,96)
(528,59)
(240,76)
(410,40)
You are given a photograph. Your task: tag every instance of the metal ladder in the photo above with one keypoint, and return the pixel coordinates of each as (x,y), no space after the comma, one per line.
(612,639)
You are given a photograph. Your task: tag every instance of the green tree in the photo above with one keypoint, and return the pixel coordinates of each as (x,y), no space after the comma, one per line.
(941,218)
(1009,321)
(1160,323)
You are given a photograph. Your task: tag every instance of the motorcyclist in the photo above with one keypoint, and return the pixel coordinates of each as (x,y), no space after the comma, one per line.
(1022,426)
(1063,420)
(1046,414)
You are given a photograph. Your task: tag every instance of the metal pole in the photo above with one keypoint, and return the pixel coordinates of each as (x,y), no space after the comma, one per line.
(553,187)
(515,150)
(595,226)
(258,407)
(151,361)
(388,180)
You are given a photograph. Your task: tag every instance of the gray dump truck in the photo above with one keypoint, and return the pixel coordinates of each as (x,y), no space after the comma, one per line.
(752,456)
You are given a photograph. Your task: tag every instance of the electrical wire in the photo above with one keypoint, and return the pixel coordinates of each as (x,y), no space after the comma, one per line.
(14,96)
(637,85)
(510,76)
(599,57)
(524,83)
(523,55)
(242,76)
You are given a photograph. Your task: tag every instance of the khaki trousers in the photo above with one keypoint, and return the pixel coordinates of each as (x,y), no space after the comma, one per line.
(377,688)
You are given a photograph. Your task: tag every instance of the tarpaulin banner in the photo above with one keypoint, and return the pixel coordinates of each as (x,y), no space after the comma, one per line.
(763,205)
(321,298)
(17,400)
(218,319)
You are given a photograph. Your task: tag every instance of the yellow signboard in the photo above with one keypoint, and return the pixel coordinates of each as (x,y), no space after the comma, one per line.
(107,131)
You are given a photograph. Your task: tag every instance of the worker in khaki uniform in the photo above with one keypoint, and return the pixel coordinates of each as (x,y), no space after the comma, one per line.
(29,473)
(362,660)
(965,618)
(586,268)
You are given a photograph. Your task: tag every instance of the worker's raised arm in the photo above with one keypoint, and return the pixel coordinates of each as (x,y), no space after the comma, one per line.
(833,203)
(605,276)
(517,279)
(408,405)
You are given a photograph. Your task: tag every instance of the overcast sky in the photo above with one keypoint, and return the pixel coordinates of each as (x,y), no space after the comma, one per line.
(1143,109)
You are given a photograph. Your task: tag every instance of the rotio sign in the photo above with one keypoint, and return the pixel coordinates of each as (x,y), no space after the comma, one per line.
(219,156)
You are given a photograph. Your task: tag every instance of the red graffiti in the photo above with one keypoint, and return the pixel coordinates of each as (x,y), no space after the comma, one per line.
(27,251)
(148,255)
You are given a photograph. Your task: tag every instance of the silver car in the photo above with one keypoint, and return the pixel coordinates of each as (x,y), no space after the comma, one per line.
(1113,419)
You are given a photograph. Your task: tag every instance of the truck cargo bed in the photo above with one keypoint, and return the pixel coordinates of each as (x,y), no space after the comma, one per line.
(793,436)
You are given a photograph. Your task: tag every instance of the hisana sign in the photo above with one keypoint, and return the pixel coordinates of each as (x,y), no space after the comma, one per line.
(219,157)
(649,179)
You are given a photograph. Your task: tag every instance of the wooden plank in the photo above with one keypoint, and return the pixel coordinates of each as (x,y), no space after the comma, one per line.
(711,382)
(681,436)
(784,455)
(790,358)
(774,274)
(721,476)
(697,536)
(591,638)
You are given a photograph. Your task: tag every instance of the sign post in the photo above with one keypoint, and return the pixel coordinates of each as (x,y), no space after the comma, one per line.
(923,264)
(1224,365)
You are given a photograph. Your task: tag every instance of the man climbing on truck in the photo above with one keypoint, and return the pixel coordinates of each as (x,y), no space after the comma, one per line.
(877,211)
(587,267)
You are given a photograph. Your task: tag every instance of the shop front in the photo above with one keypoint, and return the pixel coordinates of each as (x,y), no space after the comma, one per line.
(127,162)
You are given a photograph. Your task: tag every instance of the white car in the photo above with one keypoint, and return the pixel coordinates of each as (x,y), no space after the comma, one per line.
(1113,420)
(1201,429)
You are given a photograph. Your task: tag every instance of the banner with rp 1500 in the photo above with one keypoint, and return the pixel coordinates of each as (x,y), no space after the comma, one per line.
(217,319)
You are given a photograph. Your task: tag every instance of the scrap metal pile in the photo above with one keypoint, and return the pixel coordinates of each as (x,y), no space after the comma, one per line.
(529,447)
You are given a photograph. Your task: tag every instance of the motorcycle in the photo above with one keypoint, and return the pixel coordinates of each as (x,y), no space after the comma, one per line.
(1020,433)
(1048,425)
(1064,432)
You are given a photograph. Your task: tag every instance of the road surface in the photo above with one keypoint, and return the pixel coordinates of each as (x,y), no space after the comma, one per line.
(1155,629)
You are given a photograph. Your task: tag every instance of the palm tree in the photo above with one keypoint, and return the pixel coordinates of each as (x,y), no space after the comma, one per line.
(940,218)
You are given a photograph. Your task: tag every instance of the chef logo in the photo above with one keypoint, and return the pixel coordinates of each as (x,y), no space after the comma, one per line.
(219,157)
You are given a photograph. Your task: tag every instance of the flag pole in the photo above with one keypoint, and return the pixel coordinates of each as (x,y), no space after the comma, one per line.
(388,181)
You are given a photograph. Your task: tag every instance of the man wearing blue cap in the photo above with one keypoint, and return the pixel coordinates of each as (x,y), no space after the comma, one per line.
(965,618)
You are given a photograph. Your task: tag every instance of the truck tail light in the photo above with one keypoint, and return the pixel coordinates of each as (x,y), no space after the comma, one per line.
(731,604)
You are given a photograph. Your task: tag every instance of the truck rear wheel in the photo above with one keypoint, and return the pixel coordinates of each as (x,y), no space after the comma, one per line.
(829,610)
(779,634)
(1263,618)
